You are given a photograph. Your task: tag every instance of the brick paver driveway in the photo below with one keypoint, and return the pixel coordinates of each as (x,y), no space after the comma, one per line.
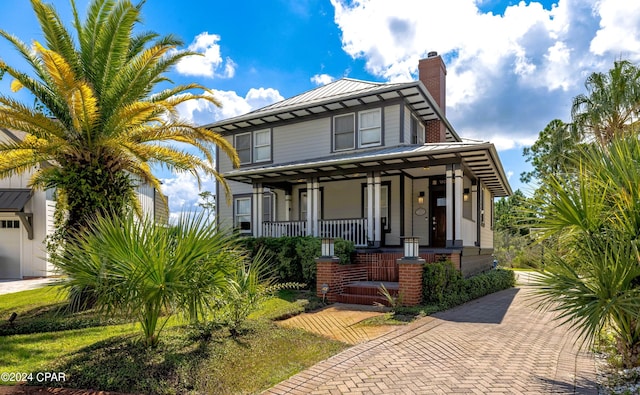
(498,344)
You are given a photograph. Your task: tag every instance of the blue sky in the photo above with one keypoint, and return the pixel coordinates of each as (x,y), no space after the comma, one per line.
(512,66)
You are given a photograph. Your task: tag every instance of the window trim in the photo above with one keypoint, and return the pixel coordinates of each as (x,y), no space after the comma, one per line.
(255,147)
(333,132)
(237,198)
(361,129)
(235,146)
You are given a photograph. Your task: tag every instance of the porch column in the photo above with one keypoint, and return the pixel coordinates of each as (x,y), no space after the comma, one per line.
(457,205)
(309,218)
(449,209)
(370,220)
(257,209)
(315,191)
(287,205)
(377,224)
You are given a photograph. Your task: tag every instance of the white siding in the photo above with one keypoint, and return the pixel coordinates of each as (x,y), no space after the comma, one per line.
(224,162)
(422,222)
(392,125)
(486,233)
(146,198)
(225,207)
(469,232)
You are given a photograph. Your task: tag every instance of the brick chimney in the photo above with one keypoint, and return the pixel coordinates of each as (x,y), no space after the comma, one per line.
(433,74)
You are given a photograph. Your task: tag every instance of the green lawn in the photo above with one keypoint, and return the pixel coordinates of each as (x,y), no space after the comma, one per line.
(107,355)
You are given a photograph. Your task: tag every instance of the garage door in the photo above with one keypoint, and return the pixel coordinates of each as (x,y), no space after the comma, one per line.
(10,248)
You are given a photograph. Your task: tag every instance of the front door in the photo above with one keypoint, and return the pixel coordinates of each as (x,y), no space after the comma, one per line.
(438,218)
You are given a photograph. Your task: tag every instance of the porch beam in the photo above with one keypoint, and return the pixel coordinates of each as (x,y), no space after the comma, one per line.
(342,171)
(370,213)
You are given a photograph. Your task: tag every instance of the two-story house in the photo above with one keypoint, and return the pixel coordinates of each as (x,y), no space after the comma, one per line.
(365,161)
(27,218)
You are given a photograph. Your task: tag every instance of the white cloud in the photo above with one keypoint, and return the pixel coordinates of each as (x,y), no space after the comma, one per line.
(619,32)
(322,79)
(508,74)
(182,188)
(202,112)
(183,191)
(209,63)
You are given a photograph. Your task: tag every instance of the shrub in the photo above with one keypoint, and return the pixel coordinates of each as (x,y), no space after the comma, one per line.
(294,257)
(444,285)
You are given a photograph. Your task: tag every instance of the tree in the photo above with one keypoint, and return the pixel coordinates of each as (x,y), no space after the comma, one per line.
(99,126)
(552,152)
(594,282)
(611,105)
(151,271)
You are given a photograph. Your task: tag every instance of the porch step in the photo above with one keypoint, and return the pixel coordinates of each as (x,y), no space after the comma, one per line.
(367,292)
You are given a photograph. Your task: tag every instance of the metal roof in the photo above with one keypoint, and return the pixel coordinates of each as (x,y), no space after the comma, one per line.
(341,94)
(480,158)
(14,200)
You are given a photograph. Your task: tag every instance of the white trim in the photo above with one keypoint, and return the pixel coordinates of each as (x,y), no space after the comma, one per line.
(449,197)
(255,147)
(361,129)
(458,190)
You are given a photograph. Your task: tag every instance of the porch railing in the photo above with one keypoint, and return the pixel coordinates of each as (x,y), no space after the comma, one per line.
(284,228)
(354,229)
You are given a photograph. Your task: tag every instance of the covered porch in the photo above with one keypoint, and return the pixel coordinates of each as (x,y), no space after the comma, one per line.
(442,193)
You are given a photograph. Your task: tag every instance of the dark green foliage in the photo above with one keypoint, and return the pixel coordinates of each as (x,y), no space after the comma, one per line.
(444,286)
(294,257)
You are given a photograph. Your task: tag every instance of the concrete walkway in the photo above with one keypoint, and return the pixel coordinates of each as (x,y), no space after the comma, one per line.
(499,344)
(11,286)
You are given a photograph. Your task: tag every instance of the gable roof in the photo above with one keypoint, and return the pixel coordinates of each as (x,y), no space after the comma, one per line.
(337,95)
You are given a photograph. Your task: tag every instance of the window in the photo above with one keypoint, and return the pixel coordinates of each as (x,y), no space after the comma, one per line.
(242,143)
(262,145)
(253,147)
(9,224)
(343,132)
(369,127)
(417,131)
(242,214)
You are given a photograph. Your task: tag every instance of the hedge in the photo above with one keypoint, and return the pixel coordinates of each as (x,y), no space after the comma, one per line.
(443,284)
(293,258)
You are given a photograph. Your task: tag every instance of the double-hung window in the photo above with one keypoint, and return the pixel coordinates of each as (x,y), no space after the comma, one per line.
(242,214)
(370,128)
(242,144)
(262,145)
(417,131)
(253,147)
(344,132)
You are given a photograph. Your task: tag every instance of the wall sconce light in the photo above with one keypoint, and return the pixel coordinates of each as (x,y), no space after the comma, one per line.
(421,198)
(465,195)
(411,247)
(327,247)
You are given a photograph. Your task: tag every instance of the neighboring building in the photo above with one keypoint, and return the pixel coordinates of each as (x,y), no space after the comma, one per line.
(365,161)
(26,219)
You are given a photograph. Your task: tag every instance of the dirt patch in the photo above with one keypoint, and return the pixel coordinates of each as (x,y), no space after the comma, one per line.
(32,390)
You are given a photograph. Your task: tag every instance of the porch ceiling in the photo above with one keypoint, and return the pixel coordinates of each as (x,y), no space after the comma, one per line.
(479,159)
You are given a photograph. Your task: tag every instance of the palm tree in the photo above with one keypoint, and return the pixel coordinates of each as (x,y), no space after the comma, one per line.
(595,217)
(611,105)
(101,121)
(150,271)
